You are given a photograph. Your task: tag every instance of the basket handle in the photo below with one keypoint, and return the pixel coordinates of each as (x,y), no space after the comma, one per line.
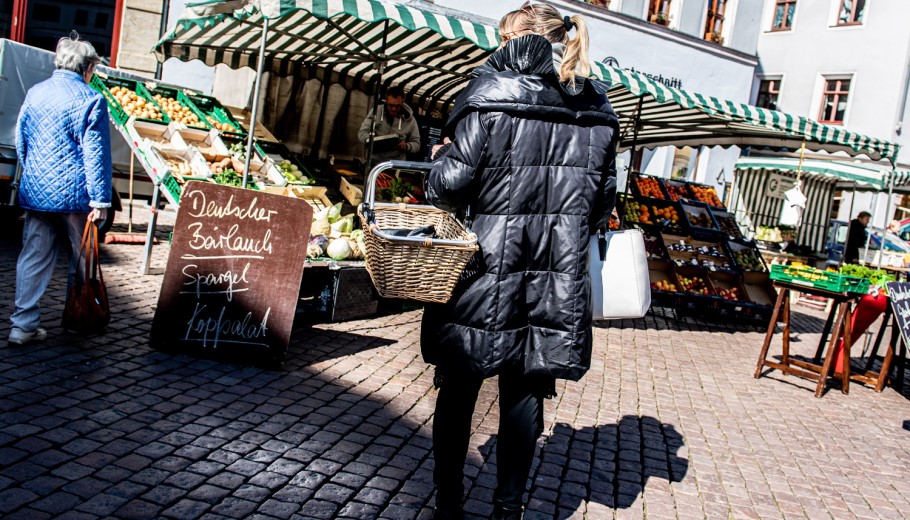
(369,196)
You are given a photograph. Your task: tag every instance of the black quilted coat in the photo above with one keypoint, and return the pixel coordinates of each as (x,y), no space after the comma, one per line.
(533,163)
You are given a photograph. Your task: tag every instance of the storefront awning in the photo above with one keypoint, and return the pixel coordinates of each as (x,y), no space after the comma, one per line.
(863,175)
(429,54)
(670,116)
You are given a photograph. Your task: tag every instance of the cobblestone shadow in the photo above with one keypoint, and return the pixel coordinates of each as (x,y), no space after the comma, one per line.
(600,467)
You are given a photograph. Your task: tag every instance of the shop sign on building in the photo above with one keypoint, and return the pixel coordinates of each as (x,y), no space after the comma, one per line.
(778,185)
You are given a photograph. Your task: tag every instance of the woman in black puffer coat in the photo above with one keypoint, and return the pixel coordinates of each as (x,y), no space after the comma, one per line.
(532,162)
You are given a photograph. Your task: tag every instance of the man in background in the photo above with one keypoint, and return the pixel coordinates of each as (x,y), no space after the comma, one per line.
(396,119)
(63,144)
(856,237)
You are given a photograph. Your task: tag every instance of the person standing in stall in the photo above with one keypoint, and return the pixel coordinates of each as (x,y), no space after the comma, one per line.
(533,161)
(856,237)
(396,122)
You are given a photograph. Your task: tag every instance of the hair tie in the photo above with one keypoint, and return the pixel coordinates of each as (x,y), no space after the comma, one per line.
(569,23)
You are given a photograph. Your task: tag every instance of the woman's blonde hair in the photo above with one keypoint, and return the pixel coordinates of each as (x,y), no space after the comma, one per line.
(545,20)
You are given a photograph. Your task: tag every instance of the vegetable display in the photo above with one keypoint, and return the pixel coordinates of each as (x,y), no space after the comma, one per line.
(877,277)
(292,172)
(134,105)
(224,127)
(229,177)
(177,111)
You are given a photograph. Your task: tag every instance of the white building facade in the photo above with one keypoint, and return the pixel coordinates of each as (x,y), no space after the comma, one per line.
(842,62)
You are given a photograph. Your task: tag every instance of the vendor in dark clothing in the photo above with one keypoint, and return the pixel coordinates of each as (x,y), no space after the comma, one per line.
(856,237)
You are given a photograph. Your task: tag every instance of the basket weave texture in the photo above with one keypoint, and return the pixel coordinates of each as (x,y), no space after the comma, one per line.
(426,272)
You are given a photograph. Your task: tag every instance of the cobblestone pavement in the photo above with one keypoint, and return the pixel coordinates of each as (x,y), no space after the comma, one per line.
(669,423)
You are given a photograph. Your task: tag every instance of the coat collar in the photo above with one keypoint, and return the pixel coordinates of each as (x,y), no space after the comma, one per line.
(534,54)
(68,74)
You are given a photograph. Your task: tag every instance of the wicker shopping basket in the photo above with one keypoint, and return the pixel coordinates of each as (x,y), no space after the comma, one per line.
(424,269)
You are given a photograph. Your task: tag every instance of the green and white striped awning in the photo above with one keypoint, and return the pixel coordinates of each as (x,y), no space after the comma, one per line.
(863,175)
(677,117)
(427,53)
(430,51)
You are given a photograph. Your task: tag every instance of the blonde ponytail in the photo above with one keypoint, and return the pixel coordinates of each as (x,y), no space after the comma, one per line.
(575,59)
(545,20)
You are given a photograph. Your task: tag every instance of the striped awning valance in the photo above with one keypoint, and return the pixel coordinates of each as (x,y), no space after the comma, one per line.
(427,53)
(430,52)
(864,175)
(753,206)
(677,117)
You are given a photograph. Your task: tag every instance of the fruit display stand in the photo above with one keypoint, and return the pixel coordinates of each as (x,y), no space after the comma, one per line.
(746,256)
(700,292)
(676,190)
(128,98)
(645,186)
(699,217)
(727,224)
(686,251)
(177,109)
(654,245)
(727,286)
(706,194)
(665,288)
(660,214)
(213,113)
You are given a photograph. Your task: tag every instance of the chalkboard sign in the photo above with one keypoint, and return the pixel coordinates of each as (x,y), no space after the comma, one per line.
(899,292)
(233,275)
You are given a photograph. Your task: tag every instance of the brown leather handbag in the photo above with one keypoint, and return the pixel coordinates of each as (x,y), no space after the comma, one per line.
(87,310)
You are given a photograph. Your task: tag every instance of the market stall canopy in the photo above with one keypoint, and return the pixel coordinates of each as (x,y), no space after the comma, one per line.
(423,50)
(865,176)
(677,117)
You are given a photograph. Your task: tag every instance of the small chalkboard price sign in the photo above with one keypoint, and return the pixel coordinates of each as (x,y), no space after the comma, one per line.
(233,274)
(899,293)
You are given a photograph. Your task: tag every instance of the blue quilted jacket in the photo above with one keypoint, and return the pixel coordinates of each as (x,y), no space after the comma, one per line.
(64,146)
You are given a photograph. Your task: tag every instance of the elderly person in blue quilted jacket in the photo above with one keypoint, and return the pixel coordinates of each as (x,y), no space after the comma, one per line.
(63,144)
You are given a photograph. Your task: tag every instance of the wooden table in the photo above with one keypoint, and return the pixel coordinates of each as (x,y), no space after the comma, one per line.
(839,316)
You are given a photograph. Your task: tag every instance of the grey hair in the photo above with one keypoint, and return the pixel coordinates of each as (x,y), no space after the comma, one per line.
(75,55)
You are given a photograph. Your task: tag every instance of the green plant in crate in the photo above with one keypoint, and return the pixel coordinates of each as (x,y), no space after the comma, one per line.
(292,172)
(876,277)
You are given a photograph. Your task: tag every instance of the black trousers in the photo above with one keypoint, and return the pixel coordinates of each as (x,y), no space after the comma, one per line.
(520,424)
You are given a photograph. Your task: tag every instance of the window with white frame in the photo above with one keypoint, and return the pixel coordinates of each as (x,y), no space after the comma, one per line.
(768,93)
(851,12)
(783,15)
(834,100)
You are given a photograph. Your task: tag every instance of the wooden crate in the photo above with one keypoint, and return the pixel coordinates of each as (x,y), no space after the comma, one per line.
(353,194)
(314,195)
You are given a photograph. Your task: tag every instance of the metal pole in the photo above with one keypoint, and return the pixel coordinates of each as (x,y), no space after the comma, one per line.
(382,63)
(254,112)
(887,214)
(150,233)
(869,234)
(632,150)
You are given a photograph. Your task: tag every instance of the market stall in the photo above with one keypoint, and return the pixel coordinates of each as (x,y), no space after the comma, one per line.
(368,43)
(698,261)
(357,45)
(759,184)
